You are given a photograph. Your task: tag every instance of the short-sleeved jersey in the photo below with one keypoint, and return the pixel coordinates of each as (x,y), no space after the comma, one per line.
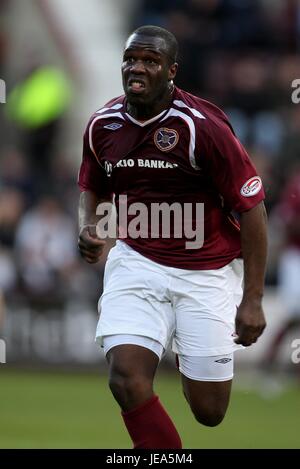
(188,154)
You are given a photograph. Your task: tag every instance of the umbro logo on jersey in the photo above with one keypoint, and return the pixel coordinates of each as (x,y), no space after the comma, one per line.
(223,360)
(113,126)
(108,168)
(166,139)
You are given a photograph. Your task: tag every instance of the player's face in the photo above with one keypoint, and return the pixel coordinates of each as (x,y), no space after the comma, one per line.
(146,69)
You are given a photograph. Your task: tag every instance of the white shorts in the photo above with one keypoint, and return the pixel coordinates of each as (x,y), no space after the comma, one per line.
(193,310)
(217,368)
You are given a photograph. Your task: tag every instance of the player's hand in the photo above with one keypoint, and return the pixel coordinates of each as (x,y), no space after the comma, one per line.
(249,322)
(89,245)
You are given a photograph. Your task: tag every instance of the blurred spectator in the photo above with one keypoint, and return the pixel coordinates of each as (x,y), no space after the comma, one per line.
(64,183)
(3,38)
(282,28)
(37,105)
(289,154)
(249,85)
(204,26)
(8,274)
(11,207)
(287,68)
(2,311)
(15,173)
(286,219)
(46,250)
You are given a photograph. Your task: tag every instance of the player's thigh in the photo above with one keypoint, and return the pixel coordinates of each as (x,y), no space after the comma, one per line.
(131,360)
(208,400)
(132,355)
(207,385)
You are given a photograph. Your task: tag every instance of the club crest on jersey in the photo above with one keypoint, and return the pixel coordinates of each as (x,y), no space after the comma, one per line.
(166,139)
(251,187)
(113,126)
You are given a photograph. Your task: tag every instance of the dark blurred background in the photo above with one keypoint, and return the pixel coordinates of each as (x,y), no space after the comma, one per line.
(60,60)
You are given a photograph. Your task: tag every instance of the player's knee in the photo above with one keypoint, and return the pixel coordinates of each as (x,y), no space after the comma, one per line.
(209,417)
(128,390)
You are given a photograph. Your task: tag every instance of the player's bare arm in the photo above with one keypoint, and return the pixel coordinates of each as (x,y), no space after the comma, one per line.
(90,246)
(250,320)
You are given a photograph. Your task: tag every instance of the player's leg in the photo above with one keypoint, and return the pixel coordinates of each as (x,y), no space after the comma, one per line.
(208,400)
(205,305)
(207,387)
(131,373)
(135,325)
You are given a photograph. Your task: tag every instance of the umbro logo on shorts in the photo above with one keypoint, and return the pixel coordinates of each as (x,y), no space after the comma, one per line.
(223,360)
(113,126)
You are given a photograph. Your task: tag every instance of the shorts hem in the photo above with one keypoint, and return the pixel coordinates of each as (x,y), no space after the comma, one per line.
(229,378)
(99,337)
(207,352)
(159,355)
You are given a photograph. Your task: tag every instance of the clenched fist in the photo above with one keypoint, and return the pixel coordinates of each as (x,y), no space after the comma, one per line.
(90,246)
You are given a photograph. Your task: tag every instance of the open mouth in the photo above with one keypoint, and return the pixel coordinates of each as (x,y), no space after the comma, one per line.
(136,86)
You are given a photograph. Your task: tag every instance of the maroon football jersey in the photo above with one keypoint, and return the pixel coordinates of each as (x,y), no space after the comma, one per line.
(188,154)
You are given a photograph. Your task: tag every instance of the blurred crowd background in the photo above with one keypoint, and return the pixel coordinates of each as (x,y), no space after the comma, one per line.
(60,60)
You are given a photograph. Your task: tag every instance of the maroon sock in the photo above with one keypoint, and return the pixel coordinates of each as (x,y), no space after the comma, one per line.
(150,426)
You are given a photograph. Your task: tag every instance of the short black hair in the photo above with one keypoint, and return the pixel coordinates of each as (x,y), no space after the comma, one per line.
(169,38)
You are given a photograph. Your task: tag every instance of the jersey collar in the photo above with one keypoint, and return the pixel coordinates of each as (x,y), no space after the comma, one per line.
(143,124)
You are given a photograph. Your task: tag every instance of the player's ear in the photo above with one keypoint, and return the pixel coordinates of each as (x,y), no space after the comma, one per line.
(172,71)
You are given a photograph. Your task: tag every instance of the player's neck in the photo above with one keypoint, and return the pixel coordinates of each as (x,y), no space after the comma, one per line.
(144,112)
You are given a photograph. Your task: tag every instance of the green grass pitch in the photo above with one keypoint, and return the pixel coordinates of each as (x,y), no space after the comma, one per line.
(68,410)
